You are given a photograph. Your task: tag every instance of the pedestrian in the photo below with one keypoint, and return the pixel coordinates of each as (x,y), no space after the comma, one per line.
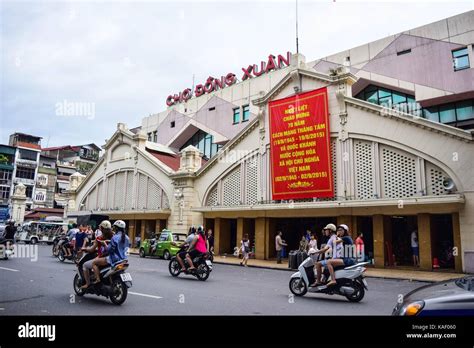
(279,244)
(137,241)
(303,244)
(313,243)
(415,250)
(210,239)
(308,235)
(360,248)
(245,249)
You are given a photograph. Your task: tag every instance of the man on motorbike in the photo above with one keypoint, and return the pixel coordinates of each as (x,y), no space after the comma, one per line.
(198,246)
(98,245)
(182,254)
(116,249)
(330,245)
(10,230)
(70,236)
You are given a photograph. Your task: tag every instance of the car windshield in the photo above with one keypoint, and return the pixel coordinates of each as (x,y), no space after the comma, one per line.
(179,237)
(466,283)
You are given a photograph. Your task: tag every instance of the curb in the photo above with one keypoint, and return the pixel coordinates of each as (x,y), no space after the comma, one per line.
(294,270)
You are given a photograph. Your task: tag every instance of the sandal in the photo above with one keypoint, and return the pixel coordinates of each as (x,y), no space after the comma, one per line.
(331,283)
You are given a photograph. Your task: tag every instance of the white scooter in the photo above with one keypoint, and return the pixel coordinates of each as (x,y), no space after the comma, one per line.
(350,280)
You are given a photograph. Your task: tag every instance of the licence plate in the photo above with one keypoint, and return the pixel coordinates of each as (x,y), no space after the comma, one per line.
(364,281)
(126,277)
(45,238)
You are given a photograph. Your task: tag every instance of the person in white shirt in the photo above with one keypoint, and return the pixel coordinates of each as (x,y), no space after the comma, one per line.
(415,250)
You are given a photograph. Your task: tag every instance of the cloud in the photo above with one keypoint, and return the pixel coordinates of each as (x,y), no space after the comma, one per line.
(126,57)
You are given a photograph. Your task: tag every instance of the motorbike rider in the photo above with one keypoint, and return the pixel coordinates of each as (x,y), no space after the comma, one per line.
(116,249)
(70,236)
(99,246)
(182,254)
(197,247)
(10,230)
(330,245)
(343,259)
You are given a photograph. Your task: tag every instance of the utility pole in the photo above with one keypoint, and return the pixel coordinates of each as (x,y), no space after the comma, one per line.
(297,45)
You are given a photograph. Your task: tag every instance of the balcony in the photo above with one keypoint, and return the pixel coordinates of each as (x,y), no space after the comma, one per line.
(24,181)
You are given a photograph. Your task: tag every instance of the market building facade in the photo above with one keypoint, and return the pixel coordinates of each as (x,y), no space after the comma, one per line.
(399,155)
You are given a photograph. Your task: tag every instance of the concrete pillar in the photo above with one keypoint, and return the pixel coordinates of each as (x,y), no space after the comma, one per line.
(260,233)
(217,235)
(19,203)
(132,232)
(457,243)
(270,252)
(424,241)
(379,240)
(240,231)
(142,230)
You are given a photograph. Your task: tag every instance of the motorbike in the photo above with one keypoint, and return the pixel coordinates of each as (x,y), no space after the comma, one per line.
(6,248)
(114,281)
(350,280)
(58,241)
(202,263)
(62,254)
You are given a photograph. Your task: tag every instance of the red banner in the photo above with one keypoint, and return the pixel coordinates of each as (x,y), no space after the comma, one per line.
(299,148)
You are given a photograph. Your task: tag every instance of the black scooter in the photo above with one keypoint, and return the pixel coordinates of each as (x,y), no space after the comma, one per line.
(202,263)
(114,281)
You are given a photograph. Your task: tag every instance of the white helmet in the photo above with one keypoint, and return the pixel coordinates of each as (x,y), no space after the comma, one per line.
(331,227)
(312,251)
(120,224)
(106,224)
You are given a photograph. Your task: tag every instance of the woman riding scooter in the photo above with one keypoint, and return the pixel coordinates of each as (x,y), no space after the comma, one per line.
(345,257)
(98,245)
(116,249)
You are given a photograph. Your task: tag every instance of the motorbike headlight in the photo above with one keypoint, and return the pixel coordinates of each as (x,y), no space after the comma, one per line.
(413,308)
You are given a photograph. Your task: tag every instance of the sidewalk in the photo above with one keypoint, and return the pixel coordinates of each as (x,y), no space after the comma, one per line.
(406,274)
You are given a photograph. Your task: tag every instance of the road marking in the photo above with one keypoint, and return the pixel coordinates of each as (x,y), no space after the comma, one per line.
(10,269)
(144,295)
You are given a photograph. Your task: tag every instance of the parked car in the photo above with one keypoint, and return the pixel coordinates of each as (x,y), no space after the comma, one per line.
(448,298)
(165,245)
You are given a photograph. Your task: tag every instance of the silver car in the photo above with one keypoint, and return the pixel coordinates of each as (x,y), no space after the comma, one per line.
(449,298)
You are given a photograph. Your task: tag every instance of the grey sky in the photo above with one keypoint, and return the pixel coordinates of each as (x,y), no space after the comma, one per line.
(126,57)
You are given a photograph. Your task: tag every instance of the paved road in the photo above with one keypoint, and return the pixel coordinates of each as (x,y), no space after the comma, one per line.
(44,287)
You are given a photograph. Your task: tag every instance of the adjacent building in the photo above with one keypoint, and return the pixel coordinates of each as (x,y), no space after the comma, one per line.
(26,163)
(400,152)
(7,167)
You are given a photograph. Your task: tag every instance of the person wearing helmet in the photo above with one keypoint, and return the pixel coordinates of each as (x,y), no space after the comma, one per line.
(182,254)
(198,246)
(98,246)
(345,254)
(10,230)
(116,249)
(330,246)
